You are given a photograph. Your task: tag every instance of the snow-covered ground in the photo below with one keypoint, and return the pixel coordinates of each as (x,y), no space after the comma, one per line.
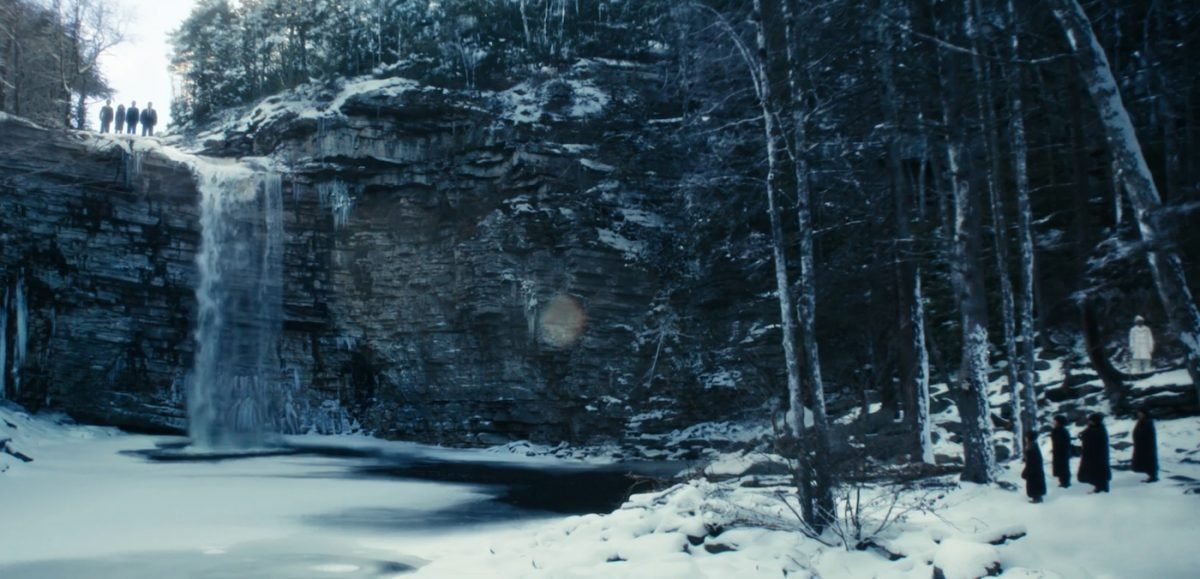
(83,508)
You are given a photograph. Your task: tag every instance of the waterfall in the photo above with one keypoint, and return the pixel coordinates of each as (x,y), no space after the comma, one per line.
(235,391)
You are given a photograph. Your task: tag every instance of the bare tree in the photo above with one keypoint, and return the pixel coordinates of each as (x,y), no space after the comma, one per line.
(982,73)
(1020,154)
(30,42)
(914,355)
(92,29)
(979,456)
(821,493)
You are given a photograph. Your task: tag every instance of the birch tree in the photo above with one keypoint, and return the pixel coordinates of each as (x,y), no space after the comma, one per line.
(776,149)
(821,492)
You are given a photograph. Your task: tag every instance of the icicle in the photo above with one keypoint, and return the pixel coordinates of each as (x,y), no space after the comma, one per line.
(335,196)
(137,158)
(531,306)
(322,135)
(3,342)
(133,165)
(22,312)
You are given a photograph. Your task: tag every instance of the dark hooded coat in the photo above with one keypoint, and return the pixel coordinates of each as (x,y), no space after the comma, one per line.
(1034,473)
(1060,449)
(1145,447)
(1093,462)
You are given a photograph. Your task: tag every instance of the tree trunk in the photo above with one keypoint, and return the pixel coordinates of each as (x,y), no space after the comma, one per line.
(987,119)
(1081,193)
(525,23)
(1020,152)
(913,364)
(822,490)
(979,456)
(1165,264)
(1115,387)
(81,108)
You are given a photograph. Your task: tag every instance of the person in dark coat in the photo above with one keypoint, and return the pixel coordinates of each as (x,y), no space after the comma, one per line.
(1035,472)
(1145,447)
(120,119)
(1093,464)
(149,119)
(1060,448)
(106,116)
(132,114)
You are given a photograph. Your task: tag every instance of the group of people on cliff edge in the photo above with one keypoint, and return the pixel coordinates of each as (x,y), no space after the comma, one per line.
(127,119)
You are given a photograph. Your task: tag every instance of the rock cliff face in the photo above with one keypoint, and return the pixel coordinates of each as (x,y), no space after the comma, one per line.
(97,250)
(459,269)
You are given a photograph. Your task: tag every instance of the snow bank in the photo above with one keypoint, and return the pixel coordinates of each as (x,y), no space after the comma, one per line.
(531,102)
(1177,377)
(29,434)
(961,559)
(660,535)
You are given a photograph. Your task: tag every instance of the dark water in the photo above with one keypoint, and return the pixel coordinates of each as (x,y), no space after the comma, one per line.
(520,489)
(569,491)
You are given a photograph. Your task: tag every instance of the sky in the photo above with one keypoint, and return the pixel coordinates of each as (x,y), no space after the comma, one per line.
(137,69)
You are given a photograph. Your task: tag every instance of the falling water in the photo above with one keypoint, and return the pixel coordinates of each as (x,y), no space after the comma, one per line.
(235,384)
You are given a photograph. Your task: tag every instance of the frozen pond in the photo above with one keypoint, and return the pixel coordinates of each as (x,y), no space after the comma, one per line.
(130,507)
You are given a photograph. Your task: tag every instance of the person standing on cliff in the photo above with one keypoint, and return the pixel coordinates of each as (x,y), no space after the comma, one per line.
(149,119)
(131,118)
(120,118)
(106,116)
(1141,347)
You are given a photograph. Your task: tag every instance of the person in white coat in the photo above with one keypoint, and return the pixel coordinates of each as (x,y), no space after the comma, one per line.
(1141,347)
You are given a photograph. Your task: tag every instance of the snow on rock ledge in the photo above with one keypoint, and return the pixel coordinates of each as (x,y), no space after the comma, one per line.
(962,559)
